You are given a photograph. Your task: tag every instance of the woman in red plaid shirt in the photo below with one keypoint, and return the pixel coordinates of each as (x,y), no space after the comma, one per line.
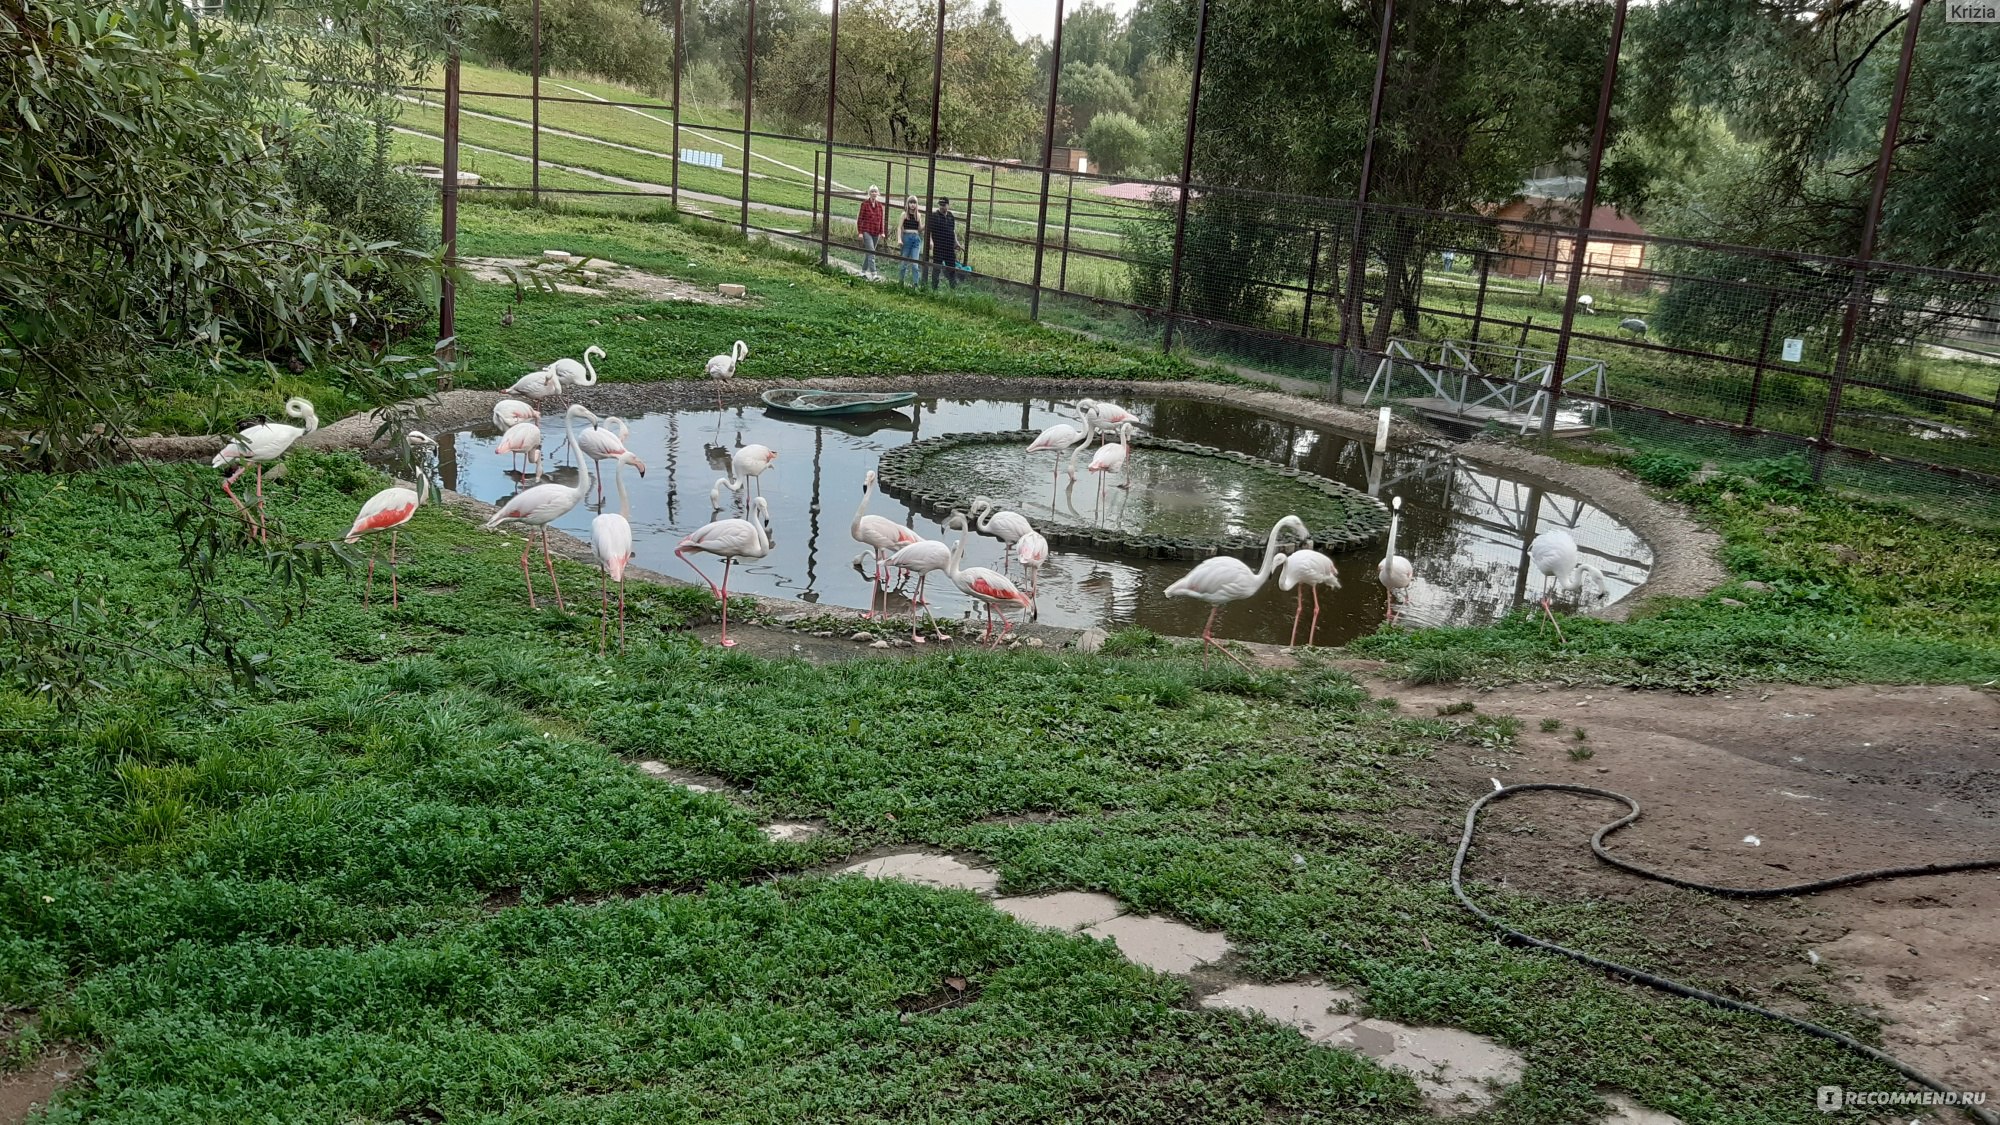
(873,224)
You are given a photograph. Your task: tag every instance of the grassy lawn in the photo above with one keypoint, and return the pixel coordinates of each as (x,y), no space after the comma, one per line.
(413,874)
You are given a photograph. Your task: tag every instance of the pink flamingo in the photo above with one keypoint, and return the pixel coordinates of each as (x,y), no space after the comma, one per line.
(258,446)
(388,510)
(1395,571)
(605,441)
(542,505)
(924,558)
(1032,551)
(1307,567)
(990,588)
(537,385)
(724,367)
(522,439)
(508,411)
(1006,526)
(1106,416)
(880,535)
(611,542)
(1221,580)
(750,463)
(1058,439)
(1111,458)
(728,540)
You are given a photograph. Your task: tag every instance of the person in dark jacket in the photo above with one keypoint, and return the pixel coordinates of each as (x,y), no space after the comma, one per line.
(942,234)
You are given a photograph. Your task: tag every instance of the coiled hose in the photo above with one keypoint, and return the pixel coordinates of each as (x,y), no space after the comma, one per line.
(1978,1113)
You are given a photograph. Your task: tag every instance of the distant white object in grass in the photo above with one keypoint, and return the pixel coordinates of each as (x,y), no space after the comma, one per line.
(1585,303)
(1634,325)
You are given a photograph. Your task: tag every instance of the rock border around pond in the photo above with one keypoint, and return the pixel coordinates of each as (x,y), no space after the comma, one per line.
(1367,518)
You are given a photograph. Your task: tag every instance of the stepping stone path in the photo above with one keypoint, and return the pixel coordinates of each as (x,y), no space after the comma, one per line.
(1456,1071)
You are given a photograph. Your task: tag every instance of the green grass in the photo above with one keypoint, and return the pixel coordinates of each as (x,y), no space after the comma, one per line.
(415,877)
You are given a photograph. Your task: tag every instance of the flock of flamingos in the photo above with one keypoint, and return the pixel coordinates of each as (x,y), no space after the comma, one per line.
(891,549)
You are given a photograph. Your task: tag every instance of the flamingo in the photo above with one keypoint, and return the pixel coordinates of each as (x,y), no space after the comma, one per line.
(1307,567)
(1111,458)
(388,510)
(1032,551)
(542,505)
(1221,580)
(579,374)
(1394,570)
(990,587)
(537,385)
(724,366)
(715,493)
(1058,439)
(260,445)
(728,540)
(924,558)
(523,439)
(605,441)
(880,535)
(1105,416)
(1554,555)
(751,463)
(611,542)
(1006,526)
(509,411)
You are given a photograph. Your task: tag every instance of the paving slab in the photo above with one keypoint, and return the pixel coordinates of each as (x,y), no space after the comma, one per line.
(1068,911)
(1318,1012)
(1456,1071)
(1162,944)
(1625,1111)
(928,869)
(789,833)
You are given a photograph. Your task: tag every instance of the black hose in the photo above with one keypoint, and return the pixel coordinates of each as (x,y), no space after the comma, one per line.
(1978,1113)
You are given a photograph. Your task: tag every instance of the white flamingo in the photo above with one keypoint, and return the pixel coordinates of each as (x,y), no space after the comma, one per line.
(388,510)
(1059,439)
(1307,567)
(1006,526)
(1394,571)
(990,588)
(924,558)
(611,542)
(605,441)
(1221,580)
(749,464)
(1111,457)
(259,445)
(542,505)
(1032,551)
(579,374)
(1555,556)
(724,366)
(728,540)
(522,439)
(509,411)
(1106,416)
(537,385)
(881,535)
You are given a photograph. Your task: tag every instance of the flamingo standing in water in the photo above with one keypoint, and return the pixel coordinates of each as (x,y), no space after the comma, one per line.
(259,445)
(542,505)
(880,535)
(728,540)
(605,441)
(1221,580)
(1111,458)
(924,558)
(1106,416)
(1059,439)
(579,374)
(724,366)
(1307,567)
(1004,525)
(1032,550)
(611,542)
(509,411)
(1554,555)
(1394,570)
(749,464)
(388,510)
(522,439)
(989,587)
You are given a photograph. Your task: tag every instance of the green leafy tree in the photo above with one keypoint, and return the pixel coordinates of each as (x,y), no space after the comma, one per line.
(1116,142)
(1087,90)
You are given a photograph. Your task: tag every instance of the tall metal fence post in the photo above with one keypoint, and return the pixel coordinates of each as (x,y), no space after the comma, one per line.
(1860,296)
(1580,250)
(1312,281)
(749,95)
(535,101)
(1357,262)
(448,291)
(1479,304)
(1187,176)
(926,274)
(674,184)
(832,75)
(1048,156)
(1069,209)
(1763,360)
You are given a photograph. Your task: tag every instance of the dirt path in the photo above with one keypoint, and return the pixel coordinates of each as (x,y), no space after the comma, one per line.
(1824,781)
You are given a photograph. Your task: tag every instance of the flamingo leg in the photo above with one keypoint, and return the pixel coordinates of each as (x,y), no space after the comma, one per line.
(227,491)
(1297,612)
(988,634)
(681,555)
(395,596)
(550,562)
(526,574)
(603,607)
(726,642)
(916,634)
(262,532)
(1312,634)
(1208,638)
(369,590)
(1560,639)
(621,614)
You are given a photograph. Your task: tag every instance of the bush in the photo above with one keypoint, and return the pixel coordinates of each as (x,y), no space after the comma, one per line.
(1663,470)
(1116,142)
(342,176)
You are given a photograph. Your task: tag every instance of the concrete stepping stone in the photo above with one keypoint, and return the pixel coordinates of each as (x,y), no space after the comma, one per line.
(692,782)
(928,869)
(1068,911)
(789,833)
(1161,944)
(1314,1009)
(1625,1111)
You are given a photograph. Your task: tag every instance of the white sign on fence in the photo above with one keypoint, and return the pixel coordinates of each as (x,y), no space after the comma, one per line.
(1795,349)
(701,159)
(1979,11)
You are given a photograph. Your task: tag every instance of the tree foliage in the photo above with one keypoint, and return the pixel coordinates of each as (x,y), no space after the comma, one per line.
(1117,143)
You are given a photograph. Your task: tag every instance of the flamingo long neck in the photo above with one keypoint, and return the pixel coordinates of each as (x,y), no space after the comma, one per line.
(589,368)
(1082,444)
(582,462)
(1395,518)
(986,519)
(867,492)
(1270,553)
(624,499)
(423,488)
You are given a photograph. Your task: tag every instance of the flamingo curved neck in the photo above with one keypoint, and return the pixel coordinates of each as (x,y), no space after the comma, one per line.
(618,478)
(582,462)
(1270,554)
(867,492)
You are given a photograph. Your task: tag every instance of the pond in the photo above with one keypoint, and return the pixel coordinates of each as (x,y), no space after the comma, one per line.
(1464,527)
